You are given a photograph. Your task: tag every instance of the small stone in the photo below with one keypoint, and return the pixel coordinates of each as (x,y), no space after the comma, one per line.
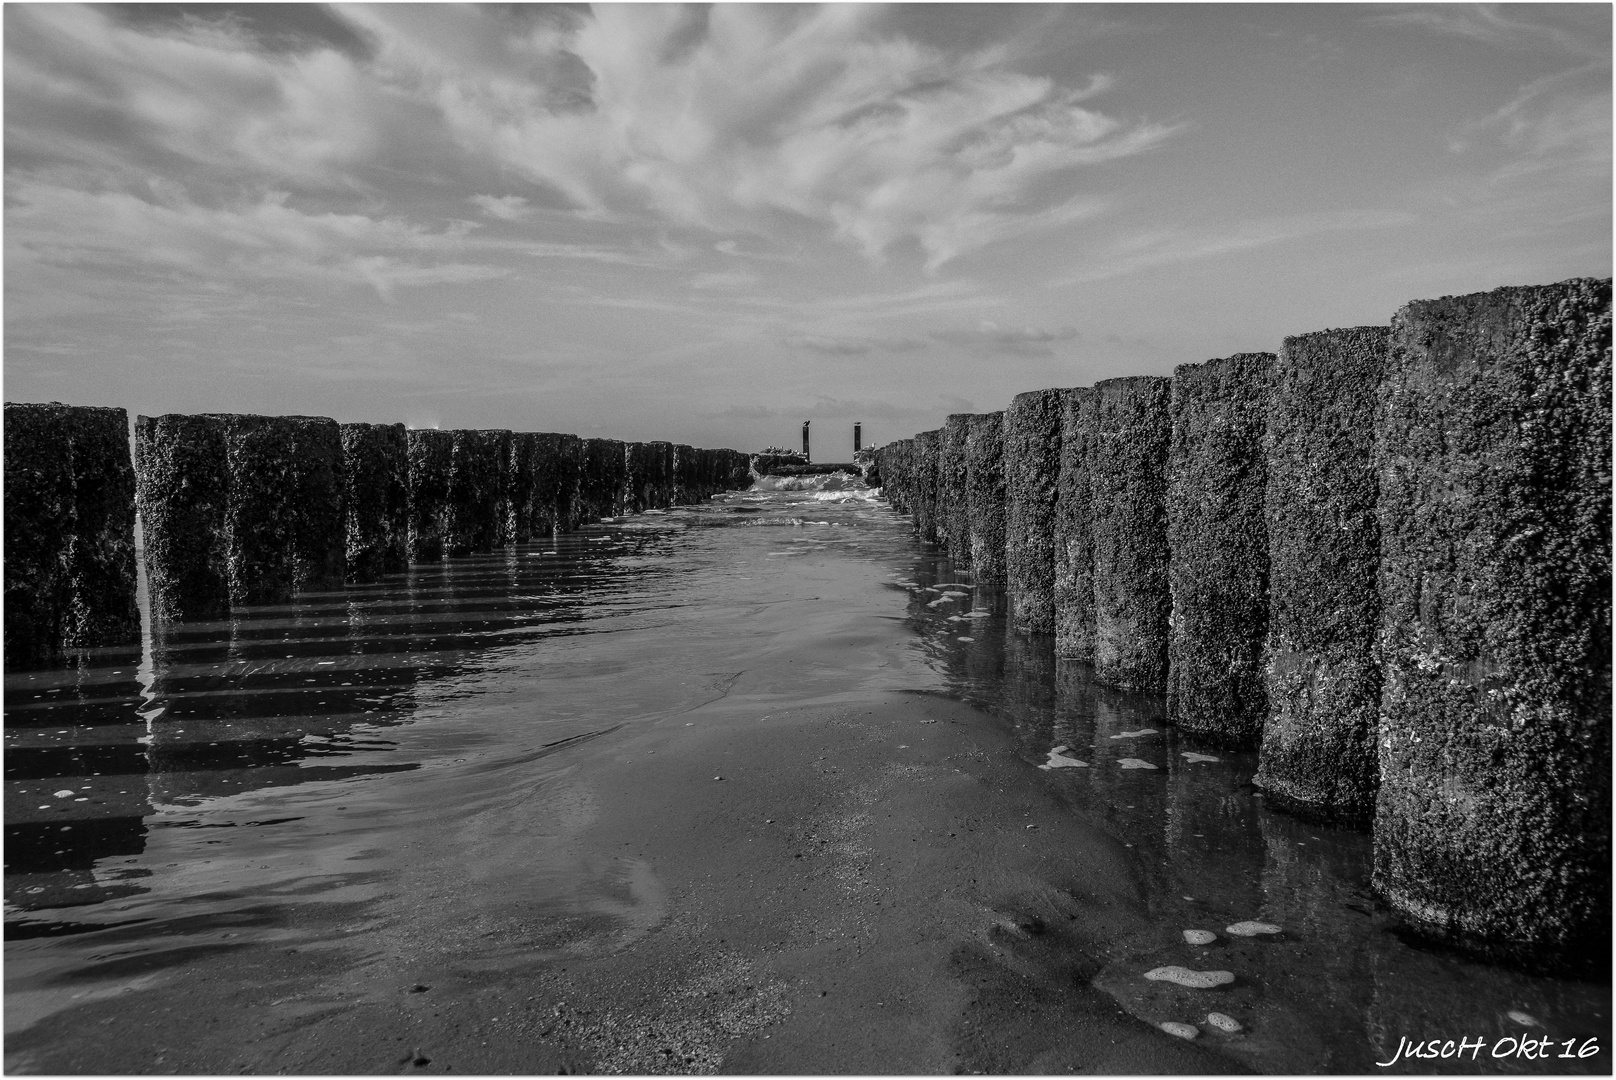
(1523,1018)
(1200,937)
(1134,763)
(1195,980)
(1193,758)
(1183,1031)
(1224,1022)
(1252,929)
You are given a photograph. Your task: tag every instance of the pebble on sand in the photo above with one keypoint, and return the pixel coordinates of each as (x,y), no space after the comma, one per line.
(1183,1031)
(1252,929)
(1224,1022)
(1195,980)
(1200,937)
(1134,763)
(1522,1018)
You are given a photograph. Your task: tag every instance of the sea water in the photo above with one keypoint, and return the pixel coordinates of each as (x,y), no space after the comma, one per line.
(221,782)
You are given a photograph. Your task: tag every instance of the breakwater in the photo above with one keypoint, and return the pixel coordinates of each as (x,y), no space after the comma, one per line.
(1380,555)
(239,510)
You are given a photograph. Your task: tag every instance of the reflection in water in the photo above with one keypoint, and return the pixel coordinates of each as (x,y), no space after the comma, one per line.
(1339,988)
(210,787)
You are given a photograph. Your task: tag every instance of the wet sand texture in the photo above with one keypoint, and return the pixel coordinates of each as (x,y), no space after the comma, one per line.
(520,470)
(923,495)
(376,474)
(557,461)
(70,531)
(601,479)
(1073,547)
(953,506)
(316,488)
(984,484)
(1031,478)
(1126,458)
(1218,568)
(430,451)
(1492,452)
(182,492)
(1318,741)
(475,506)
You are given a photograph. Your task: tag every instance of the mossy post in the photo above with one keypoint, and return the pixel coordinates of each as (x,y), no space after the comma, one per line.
(1318,741)
(1031,475)
(1126,456)
(430,451)
(953,514)
(984,484)
(1074,529)
(603,480)
(476,498)
(1218,569)
(557,459)
(259,524)
(182,490)
(923,497)
(70,531)
(521,468)
(375,462)
(315,496)
(1493,458)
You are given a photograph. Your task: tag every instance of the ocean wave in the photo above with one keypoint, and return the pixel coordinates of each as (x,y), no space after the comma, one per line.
(821,482)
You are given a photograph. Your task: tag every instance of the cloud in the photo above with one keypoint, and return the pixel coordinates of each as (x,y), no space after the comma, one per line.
(726,121)
(1173,245)
(503,207)
(990,337)
(1490,25)
(113,231)
(853,346)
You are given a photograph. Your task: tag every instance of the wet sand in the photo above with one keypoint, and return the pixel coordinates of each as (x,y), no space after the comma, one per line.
(872,887)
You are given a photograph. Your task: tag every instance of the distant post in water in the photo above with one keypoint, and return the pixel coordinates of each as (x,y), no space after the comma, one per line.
(857,436)
(805,456)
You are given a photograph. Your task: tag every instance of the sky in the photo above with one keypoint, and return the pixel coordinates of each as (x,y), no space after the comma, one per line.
(709,224)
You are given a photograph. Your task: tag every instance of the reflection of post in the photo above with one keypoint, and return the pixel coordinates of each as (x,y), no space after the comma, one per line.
(805,456)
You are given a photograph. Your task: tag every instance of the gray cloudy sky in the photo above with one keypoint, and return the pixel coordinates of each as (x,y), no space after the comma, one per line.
(709,224)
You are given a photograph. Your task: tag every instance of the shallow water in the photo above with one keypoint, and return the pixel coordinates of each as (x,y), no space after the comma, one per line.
(227,779)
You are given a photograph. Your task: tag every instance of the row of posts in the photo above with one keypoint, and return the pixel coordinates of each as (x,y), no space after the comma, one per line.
(240,509)
(1381,556)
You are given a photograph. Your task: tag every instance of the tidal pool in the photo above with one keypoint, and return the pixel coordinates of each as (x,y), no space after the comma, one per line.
(230,784)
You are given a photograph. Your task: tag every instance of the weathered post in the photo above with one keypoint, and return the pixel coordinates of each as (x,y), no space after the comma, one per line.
(430,452)
(1126,456)
(521,470)
(1074,528)
(953,514)
(70,531)
(1493,458)
(557,472)
(315,498)
(1218,569)
(259,528)
(1031,474)
(476,497)
(1318,741)
(923,498)
(985,496)
(182,493)
(375,460)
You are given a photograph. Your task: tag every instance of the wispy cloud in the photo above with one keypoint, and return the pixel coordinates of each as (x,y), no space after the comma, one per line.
(989,337)
(1517,27)
(267,238)
(721,120)
(1171,245)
